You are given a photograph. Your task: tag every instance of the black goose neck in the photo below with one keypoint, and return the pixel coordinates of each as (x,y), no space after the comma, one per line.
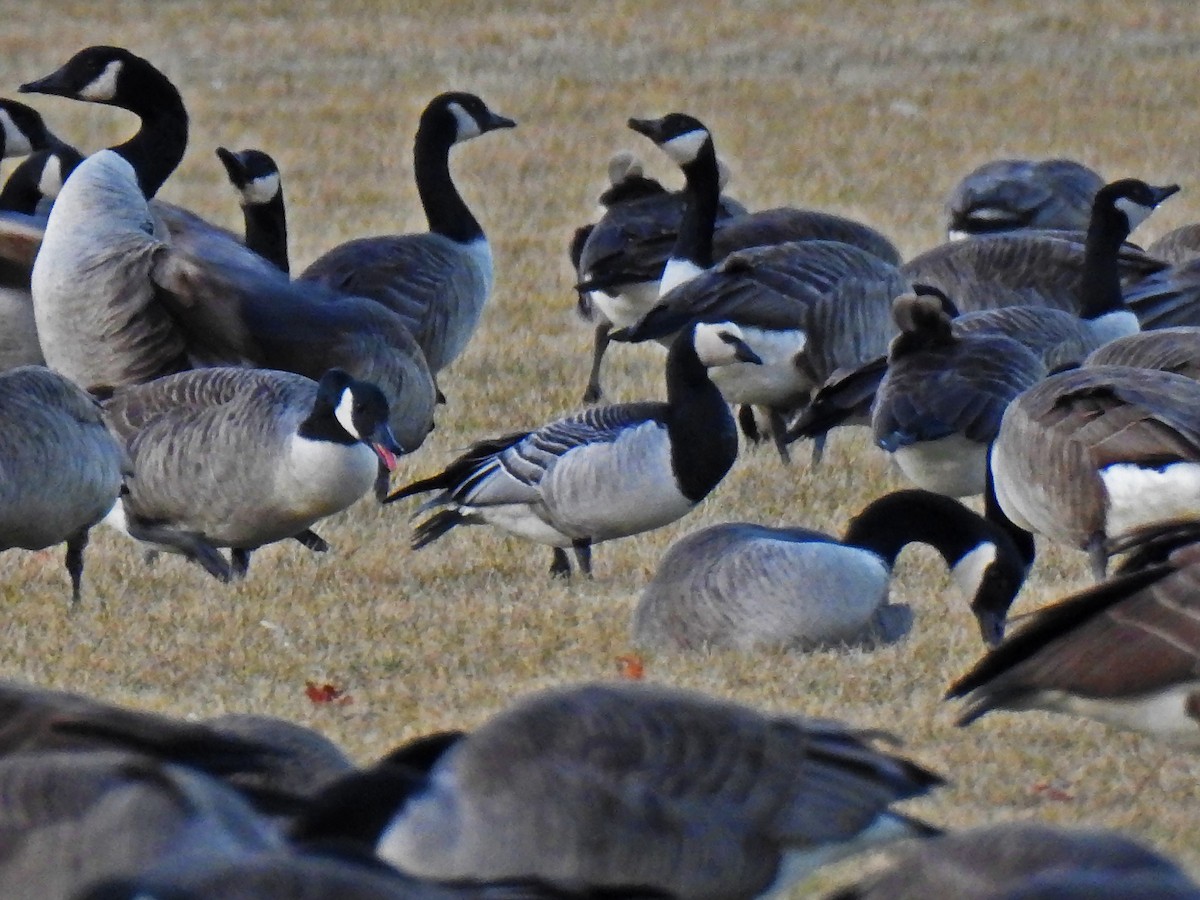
(891,523)
(356,809)
(701,201)
(266,230)
(445,209)
(158,147)
(1100,280)
(701,428)
(21,192)
(322,425)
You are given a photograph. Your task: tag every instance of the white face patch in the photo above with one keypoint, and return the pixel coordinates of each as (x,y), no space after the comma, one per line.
(711,347)
(1135,212)
(51,181)
(103,86)
(467,126)
(685,147)
(261,190)
(345,413)
(16,142)
(968,572)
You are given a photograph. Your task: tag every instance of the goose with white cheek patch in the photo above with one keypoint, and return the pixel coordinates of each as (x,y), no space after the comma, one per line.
(438,281)
(608,472)
(1125,652)
(60,469)
(240,458)
(1092,456)
(616,785)
(748,586)
(255,176)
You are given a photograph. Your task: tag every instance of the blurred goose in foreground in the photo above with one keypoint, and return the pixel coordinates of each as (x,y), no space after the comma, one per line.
(438,281)
(1014,194)
(1026,860)
(60,469)
(745,585)
(240,458)
(1169,349)
(608,472)
(255,176)
(623,785)
(1093,456)
(1125,651)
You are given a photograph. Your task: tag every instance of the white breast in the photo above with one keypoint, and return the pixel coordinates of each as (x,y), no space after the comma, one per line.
(1164,714)
(319,478)
(1140,496)
(954,465)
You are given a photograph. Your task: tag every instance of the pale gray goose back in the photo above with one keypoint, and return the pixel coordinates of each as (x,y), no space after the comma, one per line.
(437,282)
(1025,860)
(749,586)
(60,469)
(1014,194)
(608,472)
(238,458)
(611,785)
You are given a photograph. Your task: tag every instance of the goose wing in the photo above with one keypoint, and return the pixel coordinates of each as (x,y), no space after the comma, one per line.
(1170,349)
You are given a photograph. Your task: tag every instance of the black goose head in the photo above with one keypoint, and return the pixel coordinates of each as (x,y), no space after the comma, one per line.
(253,174)
(459,116)
(347,411)
(110,75)
(1128,202)
(40,176)
(22,130)
(680,136)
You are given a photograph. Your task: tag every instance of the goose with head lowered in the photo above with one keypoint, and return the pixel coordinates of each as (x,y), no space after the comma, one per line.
(60,469)
(744,585)
(239,458)
(617,785)
(438,281)
(608,472)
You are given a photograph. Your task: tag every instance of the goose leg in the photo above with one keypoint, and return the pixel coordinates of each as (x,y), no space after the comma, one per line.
(583,555)
(779,435)
(748,424)
(600,345)
(561,566)
(1098,555)
(818,452)
(383,482)
(75,545)
(240,557)
(191,545)
(311,540)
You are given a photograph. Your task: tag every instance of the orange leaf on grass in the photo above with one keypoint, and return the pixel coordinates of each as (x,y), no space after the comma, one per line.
(631,666)
(326,693)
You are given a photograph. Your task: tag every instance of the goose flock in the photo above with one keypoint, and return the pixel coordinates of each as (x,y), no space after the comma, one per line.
(169,378)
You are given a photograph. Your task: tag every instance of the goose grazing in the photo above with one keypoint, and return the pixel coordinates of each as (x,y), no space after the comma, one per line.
(255,176)
(1015,194)
(605,473)
(616,785)
(438,281)
(1091,457)
(94,301)
(60,469)
(747,586)
(1125,652)
(1025,861)
(803,306)
(239,458)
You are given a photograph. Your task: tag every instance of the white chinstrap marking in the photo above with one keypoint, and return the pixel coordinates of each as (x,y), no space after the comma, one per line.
(261,189)
(467,127)
(16,142)
(968,572)
(51,180)
(344,413)
(103,86)
(684,148)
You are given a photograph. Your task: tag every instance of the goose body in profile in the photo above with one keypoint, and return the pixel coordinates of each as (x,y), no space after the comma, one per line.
(438,281)
(614,785)
(608,472)
(60,469)
(239,458)
(744,585)
(1016,194)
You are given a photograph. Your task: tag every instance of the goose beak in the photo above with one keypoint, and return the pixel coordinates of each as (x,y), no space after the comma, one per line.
(991,626)
(499,121)
(1162,193)
(232,164)
(54,84)
(386,447)
(743,353)
(651,128)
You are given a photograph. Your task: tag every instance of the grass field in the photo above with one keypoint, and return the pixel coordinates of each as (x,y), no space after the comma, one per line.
(871,110)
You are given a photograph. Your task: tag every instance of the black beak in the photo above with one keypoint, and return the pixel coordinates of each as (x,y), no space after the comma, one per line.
(651,128)
(991,626)
(1162,193)
(54,84)
(233,166)
(495,120)
(743,353)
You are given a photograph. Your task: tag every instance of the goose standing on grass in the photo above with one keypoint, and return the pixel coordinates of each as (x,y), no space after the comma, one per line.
(94,300)
(255,176)
(1017,194)
(747,586)
(439,281)
(619,785)
(605,473)
(60,469)
(240,458)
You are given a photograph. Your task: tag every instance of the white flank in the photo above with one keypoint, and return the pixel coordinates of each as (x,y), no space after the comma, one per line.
(968,572)
(116,518)
(630,304)
(467,126)
(675,273)
(16,142)
(1135,212)
(344,412)
(683,148)
(953,465)
(51,180)
(953,235)
(261,190)
(1138,496)
(1163,713)
(103,86)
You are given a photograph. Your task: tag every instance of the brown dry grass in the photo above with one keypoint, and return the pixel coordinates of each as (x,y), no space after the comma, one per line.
(873,110)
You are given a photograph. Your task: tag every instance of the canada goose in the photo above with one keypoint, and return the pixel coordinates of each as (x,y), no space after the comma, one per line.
(1014,860)
(1170,349)
(38,177)
(801,306)
(1168,297)
(607,472)
(1178,246)
(746,585)
(255,176)
(239,458)
(1092,456)
(601,785)
(70,818)
(1013,194)
(60,469)
(1124,652)
(23,131)
(437,281)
